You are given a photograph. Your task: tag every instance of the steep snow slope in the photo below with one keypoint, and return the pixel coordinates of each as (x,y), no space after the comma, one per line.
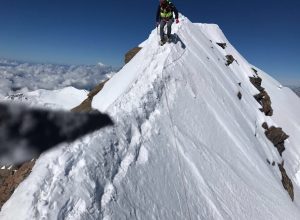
(184,146)
(286,106)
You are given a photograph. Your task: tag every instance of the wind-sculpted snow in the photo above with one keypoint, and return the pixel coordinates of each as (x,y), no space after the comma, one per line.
(28,76)
(184,146)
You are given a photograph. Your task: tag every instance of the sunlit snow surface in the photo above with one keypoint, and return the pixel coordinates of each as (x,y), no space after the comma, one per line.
(66,98)
(183,147)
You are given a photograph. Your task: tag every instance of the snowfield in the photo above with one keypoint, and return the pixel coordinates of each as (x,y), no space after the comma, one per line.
(184,146)
(64,99)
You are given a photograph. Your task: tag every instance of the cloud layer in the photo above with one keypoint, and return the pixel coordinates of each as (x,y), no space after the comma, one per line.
(15,75)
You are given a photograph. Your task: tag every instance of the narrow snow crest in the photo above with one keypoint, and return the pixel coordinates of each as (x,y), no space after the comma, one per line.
(151,58)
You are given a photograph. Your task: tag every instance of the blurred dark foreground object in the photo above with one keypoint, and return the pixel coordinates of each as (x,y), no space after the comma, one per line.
(25,132)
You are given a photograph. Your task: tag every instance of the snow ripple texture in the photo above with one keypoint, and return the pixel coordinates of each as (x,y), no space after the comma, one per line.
(183,145)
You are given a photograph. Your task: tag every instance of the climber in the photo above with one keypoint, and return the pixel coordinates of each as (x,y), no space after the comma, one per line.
(164,16)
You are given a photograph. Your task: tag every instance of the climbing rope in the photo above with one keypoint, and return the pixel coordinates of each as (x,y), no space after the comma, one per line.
(173,126)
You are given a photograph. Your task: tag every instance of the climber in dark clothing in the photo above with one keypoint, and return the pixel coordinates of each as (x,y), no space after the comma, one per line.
(164,16)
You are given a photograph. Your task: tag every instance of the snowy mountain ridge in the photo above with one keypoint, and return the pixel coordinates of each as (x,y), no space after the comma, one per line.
(184,144)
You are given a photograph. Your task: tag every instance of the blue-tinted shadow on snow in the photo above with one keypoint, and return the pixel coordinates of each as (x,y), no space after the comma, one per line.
(176,39)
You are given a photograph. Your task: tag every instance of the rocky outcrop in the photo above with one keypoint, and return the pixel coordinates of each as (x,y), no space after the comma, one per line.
(286,181)
(277,136)
(265,125)
(131,53)
(256,81)
(230,59)
(223,45)
(255,71)
(86,105)
(4,173)
(11,179)
(262,97)
(239,95)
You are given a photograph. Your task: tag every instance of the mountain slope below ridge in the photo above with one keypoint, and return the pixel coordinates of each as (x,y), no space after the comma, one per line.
(184,146)
(286,106)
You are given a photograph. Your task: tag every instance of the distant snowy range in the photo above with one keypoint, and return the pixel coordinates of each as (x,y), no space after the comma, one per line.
(17,76)
(296,89)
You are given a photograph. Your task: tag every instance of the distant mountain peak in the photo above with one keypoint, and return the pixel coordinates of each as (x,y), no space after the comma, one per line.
(101,64)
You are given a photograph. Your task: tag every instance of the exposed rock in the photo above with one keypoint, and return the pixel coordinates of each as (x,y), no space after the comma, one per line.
(256,81)
(254,70)
(259,97)
(86,105)
(280,147)
(4,174)
(264,99)
(12,179)
(223,45)
(239,95)
(240,84)
(277,136)
(265,125)
(267,105)
(230,59)
(130,54)
(286,181)
(97,89)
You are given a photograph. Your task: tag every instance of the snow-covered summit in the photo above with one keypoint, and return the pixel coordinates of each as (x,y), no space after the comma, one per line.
(185,144)
(101,64)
